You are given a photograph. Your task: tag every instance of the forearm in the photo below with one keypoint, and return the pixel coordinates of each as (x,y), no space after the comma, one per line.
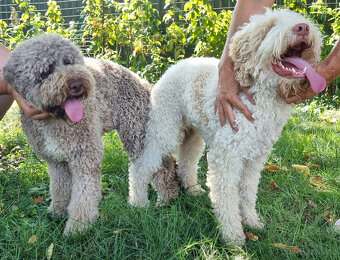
(332,63)
(4,54)
(5,99)
(242,12)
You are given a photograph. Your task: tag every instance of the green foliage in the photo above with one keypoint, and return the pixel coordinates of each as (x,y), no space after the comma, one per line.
(27,22)
(134,34)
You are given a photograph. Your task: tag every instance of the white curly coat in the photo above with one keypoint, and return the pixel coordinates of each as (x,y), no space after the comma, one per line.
(182,116)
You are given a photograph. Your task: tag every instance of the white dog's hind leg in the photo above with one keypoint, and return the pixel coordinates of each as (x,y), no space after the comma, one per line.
(162,138)
(223,180)
(60,187)
(188,156)
(248,189)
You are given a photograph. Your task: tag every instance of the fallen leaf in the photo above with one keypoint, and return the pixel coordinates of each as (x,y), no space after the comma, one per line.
(316,178)
(329,207)
(312,203)
(307,156)
(328,218)
(301,168)
(251,236)
(49,251)
(273,183)
(272,167)
(317,185)
(294,249)
(32,239)
(309,164)
(38,199)
(117,232)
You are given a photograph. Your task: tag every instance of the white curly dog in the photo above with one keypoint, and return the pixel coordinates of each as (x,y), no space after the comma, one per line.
(272,54)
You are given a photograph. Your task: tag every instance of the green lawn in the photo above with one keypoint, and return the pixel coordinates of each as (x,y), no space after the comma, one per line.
(300,212)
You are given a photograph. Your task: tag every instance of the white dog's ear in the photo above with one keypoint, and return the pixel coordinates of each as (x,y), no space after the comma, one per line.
(244,46)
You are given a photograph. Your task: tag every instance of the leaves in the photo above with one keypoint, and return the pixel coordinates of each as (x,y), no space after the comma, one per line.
(293,249)
(273,183)
(301,168)
(49,251)
(32,239)
(312,203)
(38,199)
(307,156)
(251,236)
(272,167)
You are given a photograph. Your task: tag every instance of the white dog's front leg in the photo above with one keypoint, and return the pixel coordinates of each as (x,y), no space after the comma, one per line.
(223,179)
(86,194)
(248,189)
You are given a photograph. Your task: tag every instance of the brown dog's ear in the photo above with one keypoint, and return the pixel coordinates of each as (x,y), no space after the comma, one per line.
(244,46)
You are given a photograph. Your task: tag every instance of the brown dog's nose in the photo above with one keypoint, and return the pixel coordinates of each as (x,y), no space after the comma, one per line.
(76,87)
(301,29)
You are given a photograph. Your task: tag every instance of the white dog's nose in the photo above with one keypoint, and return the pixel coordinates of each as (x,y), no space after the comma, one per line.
(301,29)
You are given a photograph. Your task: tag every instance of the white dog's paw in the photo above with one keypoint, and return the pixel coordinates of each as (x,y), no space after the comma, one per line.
(138,203)
(253,221)
(195,190)
(73,226)
(235,238)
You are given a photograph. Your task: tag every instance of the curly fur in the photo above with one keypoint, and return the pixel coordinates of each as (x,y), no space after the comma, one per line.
(42,70)
(182,116)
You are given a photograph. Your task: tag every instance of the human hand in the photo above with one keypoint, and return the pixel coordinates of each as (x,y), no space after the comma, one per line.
(227,97)
(300,96)
(307,92)
(30,111)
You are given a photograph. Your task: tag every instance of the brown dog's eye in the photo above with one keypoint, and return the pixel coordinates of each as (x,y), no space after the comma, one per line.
(45,74)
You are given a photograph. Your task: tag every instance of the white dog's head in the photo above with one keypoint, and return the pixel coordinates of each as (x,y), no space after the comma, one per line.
(283,45)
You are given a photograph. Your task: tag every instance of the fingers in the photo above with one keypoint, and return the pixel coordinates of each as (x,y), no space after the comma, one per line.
(231,117)
(240,106)
(248,95)
(300,96)
(294,100)
(221,115)
(30,111)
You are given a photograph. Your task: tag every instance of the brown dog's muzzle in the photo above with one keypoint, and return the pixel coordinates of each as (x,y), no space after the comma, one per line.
(76,88)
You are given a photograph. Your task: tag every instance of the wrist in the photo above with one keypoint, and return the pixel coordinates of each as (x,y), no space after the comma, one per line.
(226,64)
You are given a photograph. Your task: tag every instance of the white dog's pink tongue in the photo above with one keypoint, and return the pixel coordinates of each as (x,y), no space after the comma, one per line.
(74,109)
(317,83)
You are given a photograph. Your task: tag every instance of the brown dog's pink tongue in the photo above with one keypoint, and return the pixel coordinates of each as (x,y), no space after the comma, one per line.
(317,83)
(74,109)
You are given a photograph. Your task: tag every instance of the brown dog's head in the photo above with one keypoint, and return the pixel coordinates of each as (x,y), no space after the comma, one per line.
(48,72)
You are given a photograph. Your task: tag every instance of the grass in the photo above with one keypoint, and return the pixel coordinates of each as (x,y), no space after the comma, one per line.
(300,212)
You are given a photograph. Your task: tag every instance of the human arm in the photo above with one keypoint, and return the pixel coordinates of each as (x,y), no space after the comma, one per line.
(228,87)
(8,94)
(6,100)
(328,68)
